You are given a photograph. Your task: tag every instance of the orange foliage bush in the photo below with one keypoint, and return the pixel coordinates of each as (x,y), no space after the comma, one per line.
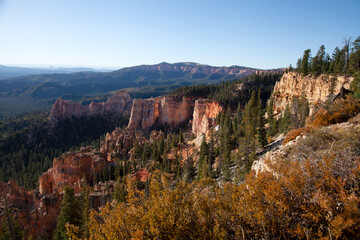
(339,111)
(294,133)
(303,200)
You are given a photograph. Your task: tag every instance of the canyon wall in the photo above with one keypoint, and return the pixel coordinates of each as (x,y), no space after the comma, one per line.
(118,104)
(37,214)
(171,111)
(167,111)
(316,88)
(205,113)
(69,169)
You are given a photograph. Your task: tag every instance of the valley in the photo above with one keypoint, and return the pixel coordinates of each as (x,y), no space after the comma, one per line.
(39,92)
(219,153)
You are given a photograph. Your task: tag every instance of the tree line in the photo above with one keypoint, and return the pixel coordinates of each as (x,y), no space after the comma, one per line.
(344,60)
(231,93)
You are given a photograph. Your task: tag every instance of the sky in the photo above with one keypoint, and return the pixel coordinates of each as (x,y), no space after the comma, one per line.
(115,33)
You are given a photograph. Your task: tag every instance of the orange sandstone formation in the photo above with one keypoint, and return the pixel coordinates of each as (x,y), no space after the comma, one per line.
(171,111)
(118,104)
(69,169)
(315,88)
(204,115)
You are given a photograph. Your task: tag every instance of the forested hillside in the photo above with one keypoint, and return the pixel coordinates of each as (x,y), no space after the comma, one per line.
(233,93)
(28,144)
(38,92)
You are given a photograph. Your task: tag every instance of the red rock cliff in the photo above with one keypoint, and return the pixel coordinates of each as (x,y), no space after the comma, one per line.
(119,103)
(170,111)
(205,112)
(37,214)
(316,88)
(68,170)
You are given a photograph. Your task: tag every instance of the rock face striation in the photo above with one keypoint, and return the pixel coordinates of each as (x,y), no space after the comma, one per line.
(171,111)
(119,103)
(204,115)
(315,88)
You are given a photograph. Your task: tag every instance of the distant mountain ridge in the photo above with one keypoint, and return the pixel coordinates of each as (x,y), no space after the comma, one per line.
(7,72)
(152,77)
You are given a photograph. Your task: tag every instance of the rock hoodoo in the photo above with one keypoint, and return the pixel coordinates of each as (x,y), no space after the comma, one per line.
(205,112)
(171,111)
(316,88)
(119,142)
(119,103)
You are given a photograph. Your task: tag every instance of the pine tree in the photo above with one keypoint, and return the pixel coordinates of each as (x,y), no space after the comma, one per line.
(338,63)
(354,61)
(188,170)
(260,121)
(237,130)
(202,163)
(315,65)
(295,117)
(166,163)
(225,145)
(262,139)
(318,62)
(251,117)
(155,153)
(161,146)
(174,140)
(244,159)
(181,137)
(10,226)
(120,191)
(272,121)
(298,65)
(346,51)
(118,169)
(85,212)
(305,66)
(211,154)
(286,120)
(304,109)
(300,107)
(71,212)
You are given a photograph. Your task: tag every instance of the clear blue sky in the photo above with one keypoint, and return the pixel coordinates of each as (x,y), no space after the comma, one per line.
(262,34)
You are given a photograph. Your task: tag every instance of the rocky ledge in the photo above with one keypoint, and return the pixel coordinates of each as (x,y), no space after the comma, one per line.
(316,88)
